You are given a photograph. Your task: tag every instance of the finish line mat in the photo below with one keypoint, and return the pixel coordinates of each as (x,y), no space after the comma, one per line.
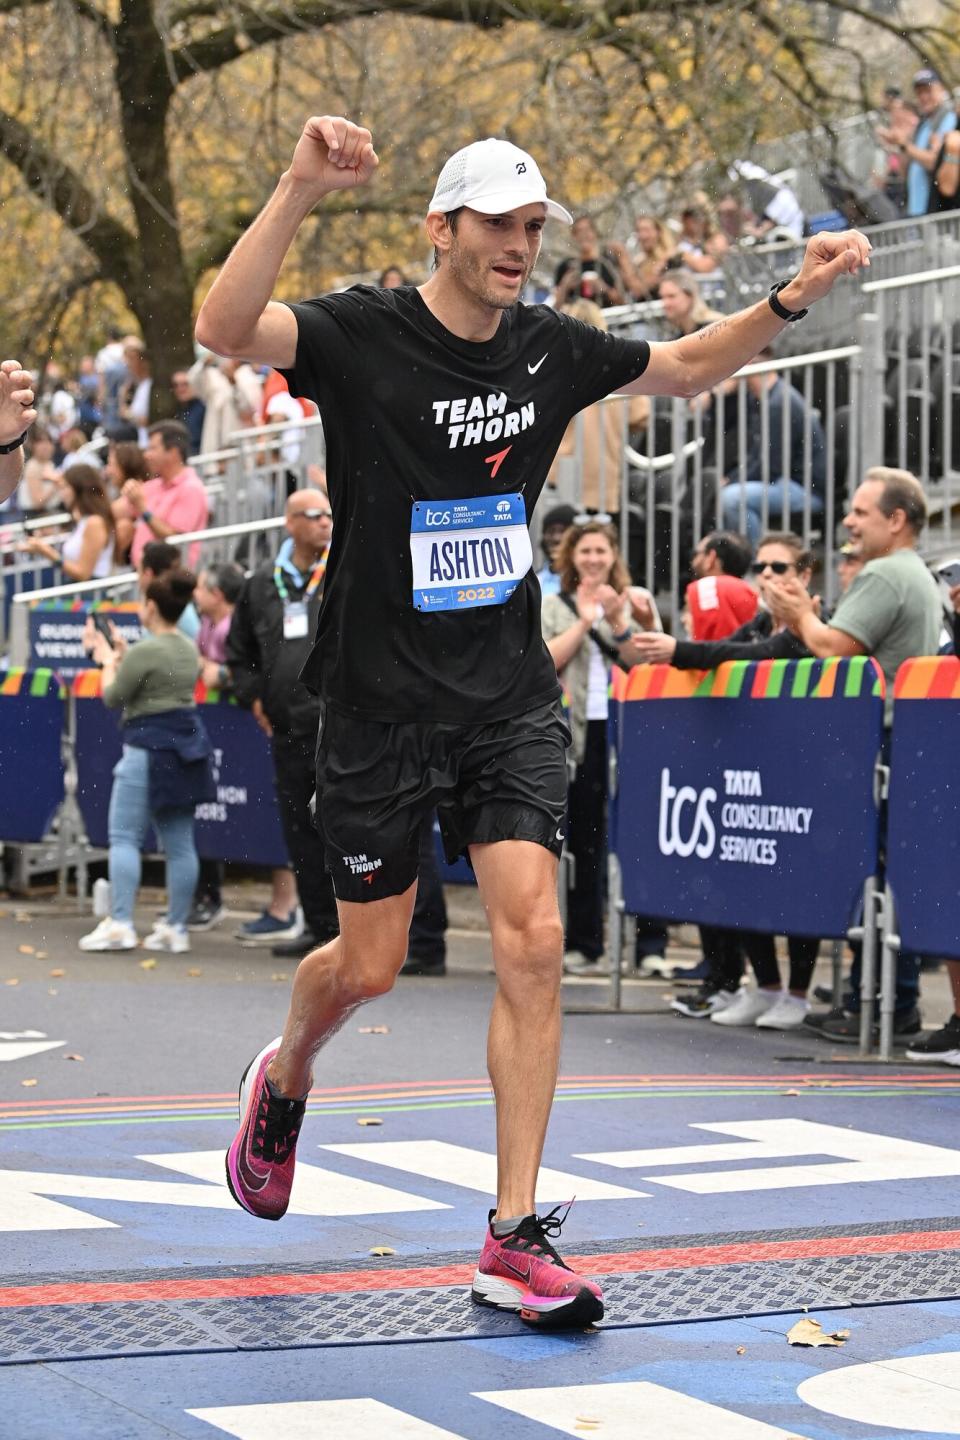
(670,1280)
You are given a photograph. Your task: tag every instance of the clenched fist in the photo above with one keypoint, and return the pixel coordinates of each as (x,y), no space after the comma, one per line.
(333,154)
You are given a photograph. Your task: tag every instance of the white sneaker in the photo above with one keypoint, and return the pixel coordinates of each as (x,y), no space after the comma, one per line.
(110,935)
(650,966)
(787,1014)
(576,963)
(168,938)
(747,1007)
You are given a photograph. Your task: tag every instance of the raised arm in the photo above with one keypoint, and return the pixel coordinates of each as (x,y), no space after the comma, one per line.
(700,361)
(238,319)
(16,416)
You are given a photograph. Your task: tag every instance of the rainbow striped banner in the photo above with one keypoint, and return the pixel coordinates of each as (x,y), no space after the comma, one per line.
(38,683)
(808,679)
(930,677)
(88,685)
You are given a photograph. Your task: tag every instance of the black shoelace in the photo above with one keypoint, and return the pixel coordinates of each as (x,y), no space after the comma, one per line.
(533,1230)
(278,1125)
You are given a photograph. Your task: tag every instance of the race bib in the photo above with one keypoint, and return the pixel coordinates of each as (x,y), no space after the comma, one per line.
(296,623)
(467,553)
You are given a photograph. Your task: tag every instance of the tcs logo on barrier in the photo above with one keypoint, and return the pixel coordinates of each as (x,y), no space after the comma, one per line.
(702,834)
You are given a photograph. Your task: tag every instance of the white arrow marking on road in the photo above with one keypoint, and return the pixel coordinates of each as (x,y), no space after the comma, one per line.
(18,1044)
(629,1410)
(311,1419)
(870,1158)
(475,1169)
(315,1192)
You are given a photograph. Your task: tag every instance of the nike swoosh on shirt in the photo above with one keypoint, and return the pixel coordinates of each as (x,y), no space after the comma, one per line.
(534,368)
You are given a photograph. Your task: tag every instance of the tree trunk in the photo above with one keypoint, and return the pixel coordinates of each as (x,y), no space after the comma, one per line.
(161,290)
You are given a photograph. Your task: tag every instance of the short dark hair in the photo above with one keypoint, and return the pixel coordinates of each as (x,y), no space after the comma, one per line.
(228,578)
(802,557)
(172,593)
(732,550)
(159,556)
(452,219)
(174,435)
(901,491)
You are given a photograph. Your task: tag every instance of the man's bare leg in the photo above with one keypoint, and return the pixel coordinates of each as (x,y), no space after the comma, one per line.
(360,964)
(518,885)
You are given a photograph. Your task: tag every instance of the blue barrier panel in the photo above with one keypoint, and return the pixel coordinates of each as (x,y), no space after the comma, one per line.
(242,824)
(745,794)
(31,765)
(923,844)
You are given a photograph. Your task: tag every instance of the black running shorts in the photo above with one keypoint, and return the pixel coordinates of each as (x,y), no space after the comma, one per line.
(376,782)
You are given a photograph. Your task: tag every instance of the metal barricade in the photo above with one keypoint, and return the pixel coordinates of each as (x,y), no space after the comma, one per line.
(658,464)
(224,542)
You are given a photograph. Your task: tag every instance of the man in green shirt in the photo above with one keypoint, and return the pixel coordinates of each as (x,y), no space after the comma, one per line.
(891,611)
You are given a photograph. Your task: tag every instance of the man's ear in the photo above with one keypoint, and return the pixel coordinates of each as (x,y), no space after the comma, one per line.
(438,231)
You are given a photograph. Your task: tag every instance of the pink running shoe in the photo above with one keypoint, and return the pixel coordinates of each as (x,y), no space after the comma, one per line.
(522,1271)
(261,1159)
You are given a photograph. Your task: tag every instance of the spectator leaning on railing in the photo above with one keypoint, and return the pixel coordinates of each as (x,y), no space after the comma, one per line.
(891,611)
(87,552)
(39,484)
(17,414)
(175,502)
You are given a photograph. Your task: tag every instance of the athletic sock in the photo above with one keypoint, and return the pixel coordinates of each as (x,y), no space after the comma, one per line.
(503,1228)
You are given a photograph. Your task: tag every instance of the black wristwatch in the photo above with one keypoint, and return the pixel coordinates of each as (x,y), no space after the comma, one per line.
(14,444)
(781,311)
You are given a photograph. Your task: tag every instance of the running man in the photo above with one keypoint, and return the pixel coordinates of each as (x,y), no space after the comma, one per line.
(443,407)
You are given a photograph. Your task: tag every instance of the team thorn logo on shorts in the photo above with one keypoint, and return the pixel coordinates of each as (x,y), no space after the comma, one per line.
(362,865)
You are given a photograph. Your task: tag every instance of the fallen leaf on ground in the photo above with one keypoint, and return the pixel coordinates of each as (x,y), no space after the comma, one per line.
(368,1120)
(53,992)
(12,981)
(280,975)
(194,973)
(28,1083)
(382,1250)
(57,974)
(73,1057)
(789,1092)
(374,1030)
(150,964)
(741,1349)
(811,1332)
(23,917)
(26,949)
(41,954)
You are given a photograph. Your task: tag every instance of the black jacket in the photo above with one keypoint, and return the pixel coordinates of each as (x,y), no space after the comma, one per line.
(752,641)
(262,664)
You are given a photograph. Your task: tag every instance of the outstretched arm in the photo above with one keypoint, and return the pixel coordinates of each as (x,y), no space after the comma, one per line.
(700,361)
(238,319)
(16,416)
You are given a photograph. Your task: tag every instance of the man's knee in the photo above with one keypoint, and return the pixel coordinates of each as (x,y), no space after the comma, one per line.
(531,942)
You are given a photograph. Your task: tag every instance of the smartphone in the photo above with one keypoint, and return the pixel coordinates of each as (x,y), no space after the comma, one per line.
(950,572)
(101,623)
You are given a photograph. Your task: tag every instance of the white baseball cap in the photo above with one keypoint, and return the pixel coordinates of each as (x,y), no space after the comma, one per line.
(493,176)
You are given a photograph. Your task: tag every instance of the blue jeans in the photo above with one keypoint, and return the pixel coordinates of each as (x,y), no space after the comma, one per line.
(782,495)
(129,817)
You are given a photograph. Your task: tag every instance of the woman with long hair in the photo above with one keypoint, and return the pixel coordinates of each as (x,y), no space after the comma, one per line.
(702,244)
(124,462)
(164,772)
(589,627)
(684,308)
(644,258)
(87,552)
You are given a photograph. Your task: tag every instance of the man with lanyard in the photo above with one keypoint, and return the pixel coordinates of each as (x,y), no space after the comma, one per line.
(16,416)
(443,407)
(270,639)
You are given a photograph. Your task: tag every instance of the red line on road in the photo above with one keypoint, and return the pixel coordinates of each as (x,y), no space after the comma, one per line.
(422,1277)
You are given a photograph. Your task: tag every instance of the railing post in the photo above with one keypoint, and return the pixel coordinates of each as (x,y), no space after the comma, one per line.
(871,367)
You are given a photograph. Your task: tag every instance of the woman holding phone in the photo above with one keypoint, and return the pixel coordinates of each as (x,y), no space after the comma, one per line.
(164,772)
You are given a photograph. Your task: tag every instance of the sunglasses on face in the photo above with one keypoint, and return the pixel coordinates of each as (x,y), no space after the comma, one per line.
(779,567)
(312,515)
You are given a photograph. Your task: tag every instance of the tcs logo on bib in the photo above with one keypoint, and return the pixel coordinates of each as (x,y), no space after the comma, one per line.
(686,824)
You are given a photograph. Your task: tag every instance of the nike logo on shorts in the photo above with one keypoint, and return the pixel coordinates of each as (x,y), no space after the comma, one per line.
(534,368)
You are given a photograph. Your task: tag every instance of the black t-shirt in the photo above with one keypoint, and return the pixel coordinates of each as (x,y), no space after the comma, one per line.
(413,413)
